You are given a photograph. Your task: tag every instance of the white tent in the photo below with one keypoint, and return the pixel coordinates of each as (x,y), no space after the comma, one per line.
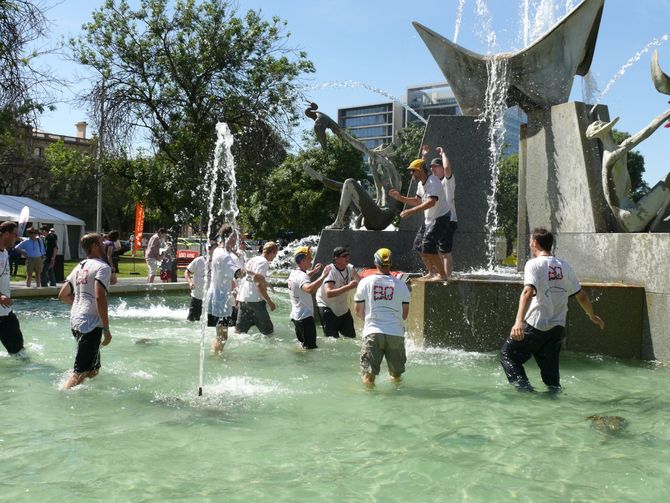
(69,229)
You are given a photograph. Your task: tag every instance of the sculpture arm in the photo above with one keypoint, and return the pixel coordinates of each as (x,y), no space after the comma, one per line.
(327,182)
(632,142)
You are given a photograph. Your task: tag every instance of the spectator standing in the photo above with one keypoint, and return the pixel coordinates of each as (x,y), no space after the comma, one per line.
(153,254)
(34,251)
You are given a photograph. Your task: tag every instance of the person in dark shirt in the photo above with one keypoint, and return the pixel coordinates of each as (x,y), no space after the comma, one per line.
(51,246)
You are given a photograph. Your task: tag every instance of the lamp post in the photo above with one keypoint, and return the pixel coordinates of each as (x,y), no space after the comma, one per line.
(98,176)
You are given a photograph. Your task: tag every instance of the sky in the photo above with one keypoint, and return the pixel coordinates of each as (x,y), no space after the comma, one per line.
(373,42)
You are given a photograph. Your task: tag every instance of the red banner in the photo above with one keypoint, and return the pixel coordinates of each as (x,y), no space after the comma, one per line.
(139,226)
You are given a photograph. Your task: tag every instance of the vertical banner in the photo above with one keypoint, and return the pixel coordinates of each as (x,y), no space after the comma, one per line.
(139,226)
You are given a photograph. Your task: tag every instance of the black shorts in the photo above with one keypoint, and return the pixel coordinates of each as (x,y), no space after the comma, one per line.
(447,242)
(10,333)
(305,332)
(430,235)
(334,325)
(227,321)
(194,310)
(254,313)
(88,350)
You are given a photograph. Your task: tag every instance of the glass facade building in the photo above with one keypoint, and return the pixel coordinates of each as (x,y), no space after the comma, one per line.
(374,125)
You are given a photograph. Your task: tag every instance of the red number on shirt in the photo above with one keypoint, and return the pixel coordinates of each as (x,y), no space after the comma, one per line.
(383,292)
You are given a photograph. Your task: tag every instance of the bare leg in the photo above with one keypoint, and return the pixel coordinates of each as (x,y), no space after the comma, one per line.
(369,379)
(448,263)
(29,278)
(76,378)
(220,339)
(396,377)
(436,265)
(426,261)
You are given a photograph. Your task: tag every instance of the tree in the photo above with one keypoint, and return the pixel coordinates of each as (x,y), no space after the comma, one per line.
(507,198)
(635,164)
(173,71)
(408,148)
(291,202)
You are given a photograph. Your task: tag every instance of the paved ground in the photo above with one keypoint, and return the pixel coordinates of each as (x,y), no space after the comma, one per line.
(124,285)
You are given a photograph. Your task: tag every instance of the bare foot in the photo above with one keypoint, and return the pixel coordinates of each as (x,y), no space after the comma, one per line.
(435,279)
(217,346)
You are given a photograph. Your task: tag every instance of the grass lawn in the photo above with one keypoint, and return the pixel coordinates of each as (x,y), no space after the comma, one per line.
(129,267)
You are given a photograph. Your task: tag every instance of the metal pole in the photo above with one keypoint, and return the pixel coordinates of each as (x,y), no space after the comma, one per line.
(101,125)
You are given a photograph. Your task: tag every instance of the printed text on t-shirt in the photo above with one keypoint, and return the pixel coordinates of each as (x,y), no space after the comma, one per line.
(383,292)
(555,272)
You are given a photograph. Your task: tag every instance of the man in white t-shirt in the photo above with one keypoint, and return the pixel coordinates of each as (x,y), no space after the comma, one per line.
(10,330)
(431,199)
(332,298)
(539,328)
(383,302)
(85,289)
(252,293)
(441,168)
(226,267)
(300,289)
(195,276)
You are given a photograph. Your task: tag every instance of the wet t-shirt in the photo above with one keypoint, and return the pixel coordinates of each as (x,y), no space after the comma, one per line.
(84,315)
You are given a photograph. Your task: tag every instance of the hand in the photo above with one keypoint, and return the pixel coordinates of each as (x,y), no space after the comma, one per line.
(439,150)
(425,149)
(394,194)
(5,301)
(191,285)
(272,305)
(405,213)
(353,284)
(317,268)
(326,270)
(517,331)
(597,320)
(107,337)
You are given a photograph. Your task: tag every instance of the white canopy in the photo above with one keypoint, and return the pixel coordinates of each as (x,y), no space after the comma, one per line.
(40,214)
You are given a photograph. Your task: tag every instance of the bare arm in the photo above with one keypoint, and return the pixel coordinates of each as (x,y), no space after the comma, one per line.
(335,292)
(263,290)
(524,304)
(102,305)
(446,163)
(360,310)
(587,307)
(189,280)
(405,311)
(412,201)
(429,203)
(66,294)
(312,287)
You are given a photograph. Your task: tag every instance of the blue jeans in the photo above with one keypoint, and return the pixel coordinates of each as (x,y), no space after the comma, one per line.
(48,273)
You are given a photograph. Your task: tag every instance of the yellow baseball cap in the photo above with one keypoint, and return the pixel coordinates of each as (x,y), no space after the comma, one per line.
(416,165)
(302,250)
(383,257)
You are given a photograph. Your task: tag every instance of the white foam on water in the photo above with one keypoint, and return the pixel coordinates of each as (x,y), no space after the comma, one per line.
(154,311)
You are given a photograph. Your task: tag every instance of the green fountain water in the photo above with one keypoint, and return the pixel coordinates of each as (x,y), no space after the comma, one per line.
(276,424)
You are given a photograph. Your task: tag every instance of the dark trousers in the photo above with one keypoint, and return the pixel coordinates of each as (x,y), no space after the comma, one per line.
(543,346)
(48,273)
(14,263)
(305,332)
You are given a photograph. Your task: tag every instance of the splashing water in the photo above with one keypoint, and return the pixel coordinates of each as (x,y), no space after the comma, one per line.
(495,106)
(486,34)
(354,84)
(283,262)
(459,18)
(223,163)
(654,43)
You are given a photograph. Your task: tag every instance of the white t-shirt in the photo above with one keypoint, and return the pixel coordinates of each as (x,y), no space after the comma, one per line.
(4,280)
(224,266)
(433,188)
(248,289)
(384,296)
(338,305)
(449,185)
(302,304)
(84,315)
(198,268)
(554,281)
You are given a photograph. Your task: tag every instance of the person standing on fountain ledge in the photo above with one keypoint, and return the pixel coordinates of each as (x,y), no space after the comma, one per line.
(10,330)
(301,289)
(226,266)
(441,168)
(539,328)
(332,298)
(85,289)
(383,302)
(430,198)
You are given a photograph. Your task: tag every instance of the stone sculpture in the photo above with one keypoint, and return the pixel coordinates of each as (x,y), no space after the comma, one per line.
(376,213)
(540,75)
(652,209)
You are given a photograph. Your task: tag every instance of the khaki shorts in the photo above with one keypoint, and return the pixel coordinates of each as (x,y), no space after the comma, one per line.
(34,264)
(376,347)
(152,264)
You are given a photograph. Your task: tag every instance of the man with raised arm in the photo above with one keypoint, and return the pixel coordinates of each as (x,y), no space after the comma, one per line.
(383,302)
(253,293)
(85,289)
(301,288)
(539,328)
(332,298)
(441,168)
(10,330)
(431,199)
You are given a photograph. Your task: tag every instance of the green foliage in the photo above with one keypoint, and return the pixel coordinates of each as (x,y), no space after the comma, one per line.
(175,69)
(291,202)
(507,196)
(635,164)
